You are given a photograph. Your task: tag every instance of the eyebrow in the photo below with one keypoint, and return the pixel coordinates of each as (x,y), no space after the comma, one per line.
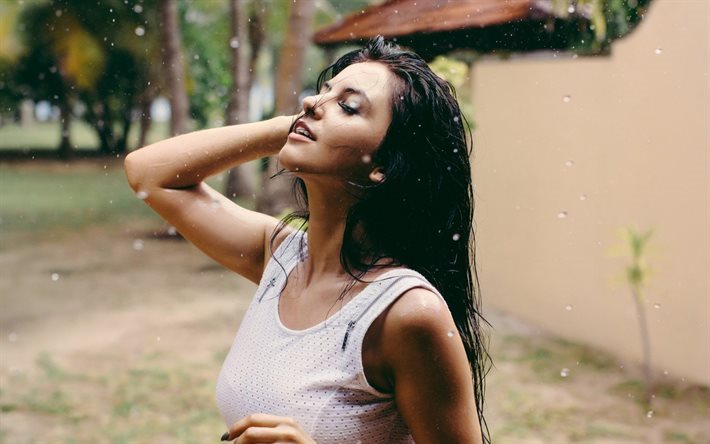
(357,91)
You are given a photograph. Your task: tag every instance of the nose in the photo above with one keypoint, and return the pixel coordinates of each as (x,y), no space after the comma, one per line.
(312,106)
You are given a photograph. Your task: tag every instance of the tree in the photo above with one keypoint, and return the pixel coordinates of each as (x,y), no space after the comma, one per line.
(240,179)
(275,196)
(174,67)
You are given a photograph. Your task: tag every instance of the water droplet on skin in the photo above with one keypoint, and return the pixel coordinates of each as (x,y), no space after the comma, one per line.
(158,339)
(569,163)
(659,50)
(564,372)
(665,372)
(55,277)
(567,99)
(140,31)
(649,414)
(450,334)
(142,195)
(215,204)
(656,305)
(562,215)
(366,158)
(568,307)
(456,236)
(138,244)
(12,337)
(582,197)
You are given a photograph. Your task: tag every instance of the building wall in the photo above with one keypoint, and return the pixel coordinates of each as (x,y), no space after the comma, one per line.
(628,148)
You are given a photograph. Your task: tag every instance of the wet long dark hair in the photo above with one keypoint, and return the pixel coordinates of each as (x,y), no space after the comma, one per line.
(421,215)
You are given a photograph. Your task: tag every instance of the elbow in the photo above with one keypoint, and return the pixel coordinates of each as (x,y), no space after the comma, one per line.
(132,169)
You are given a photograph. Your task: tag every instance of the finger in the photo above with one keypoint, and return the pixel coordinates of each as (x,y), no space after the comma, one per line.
(256,420)
(254,435)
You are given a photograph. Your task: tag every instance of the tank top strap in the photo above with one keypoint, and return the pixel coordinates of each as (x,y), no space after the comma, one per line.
(292,249)
(376,297)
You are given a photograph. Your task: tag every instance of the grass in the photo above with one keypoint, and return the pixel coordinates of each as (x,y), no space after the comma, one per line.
(40,197)
(46,135)
(66,197)
(151,400)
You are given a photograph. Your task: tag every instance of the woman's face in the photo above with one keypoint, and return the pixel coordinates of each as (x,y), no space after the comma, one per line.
(343,126)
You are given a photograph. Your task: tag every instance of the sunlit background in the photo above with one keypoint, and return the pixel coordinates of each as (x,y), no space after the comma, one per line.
(590,164)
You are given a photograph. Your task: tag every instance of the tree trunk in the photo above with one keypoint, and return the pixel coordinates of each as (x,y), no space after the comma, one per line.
(65,148)
(276,196)
(174,68)
(240,180)
(145,102)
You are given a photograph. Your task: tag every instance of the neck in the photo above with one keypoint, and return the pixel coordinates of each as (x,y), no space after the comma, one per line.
(328,205)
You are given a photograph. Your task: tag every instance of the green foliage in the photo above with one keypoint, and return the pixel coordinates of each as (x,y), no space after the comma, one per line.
(207,58)
(92,54)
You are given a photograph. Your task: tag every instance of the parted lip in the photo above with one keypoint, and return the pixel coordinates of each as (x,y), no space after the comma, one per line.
(302,124)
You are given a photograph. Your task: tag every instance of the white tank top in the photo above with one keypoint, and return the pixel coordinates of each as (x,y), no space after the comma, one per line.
(314,375)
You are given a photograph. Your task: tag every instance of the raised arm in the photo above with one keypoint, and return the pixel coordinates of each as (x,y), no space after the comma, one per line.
(169,175)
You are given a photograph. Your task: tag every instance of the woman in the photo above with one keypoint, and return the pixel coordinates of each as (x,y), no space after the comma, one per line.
(365,325)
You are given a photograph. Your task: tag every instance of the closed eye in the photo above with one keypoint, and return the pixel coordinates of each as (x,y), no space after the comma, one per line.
(347,109)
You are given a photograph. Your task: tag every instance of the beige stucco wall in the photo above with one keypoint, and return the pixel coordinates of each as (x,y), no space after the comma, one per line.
(636,130)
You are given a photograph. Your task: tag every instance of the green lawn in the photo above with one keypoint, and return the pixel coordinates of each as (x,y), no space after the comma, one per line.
(46,196)
(45,135)
(71,196)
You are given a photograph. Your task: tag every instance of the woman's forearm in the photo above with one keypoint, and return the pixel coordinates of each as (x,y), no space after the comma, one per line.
(188,159)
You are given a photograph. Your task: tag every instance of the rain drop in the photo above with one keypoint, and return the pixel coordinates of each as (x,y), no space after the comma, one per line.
(138,9)
(659,50)
(138,244)
(172,231)
(649,414)
(456,150)
(55,277)
(562,215)
(234,43)
(564,372)
(366,158)
(456,236)
(140,31)
(656,305)
(142,195)
(450,334)
(570,9)
(456,119)
(568,307)
(567,98)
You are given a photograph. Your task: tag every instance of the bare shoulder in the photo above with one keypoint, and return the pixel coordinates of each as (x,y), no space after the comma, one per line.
(418,319)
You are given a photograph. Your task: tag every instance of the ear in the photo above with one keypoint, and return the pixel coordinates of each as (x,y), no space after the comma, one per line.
(377,175)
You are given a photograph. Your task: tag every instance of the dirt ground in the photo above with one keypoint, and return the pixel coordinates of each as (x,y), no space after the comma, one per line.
(114,336)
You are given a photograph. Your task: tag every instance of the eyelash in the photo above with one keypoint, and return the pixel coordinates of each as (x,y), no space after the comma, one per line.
(348,110)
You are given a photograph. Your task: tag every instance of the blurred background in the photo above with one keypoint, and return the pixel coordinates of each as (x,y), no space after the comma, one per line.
(590,164)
